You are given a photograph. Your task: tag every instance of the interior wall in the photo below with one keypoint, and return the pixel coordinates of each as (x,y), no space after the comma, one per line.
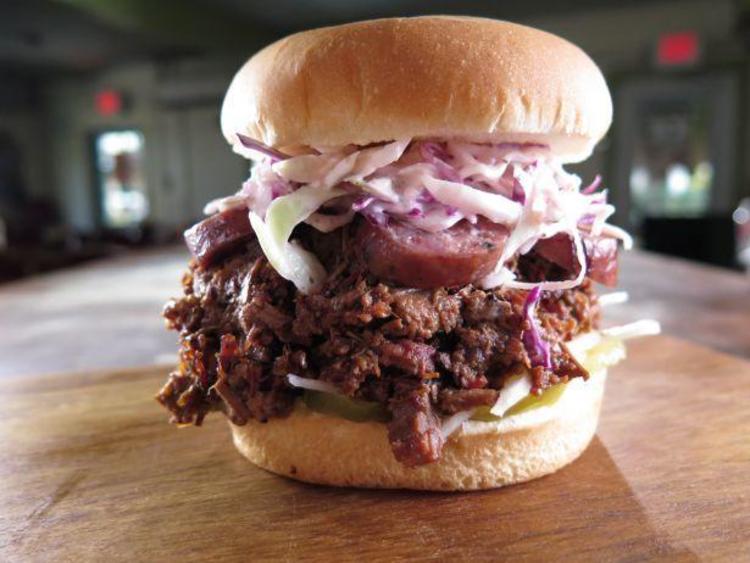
(197,163)
(177,109)
(73,119)
(27,128)
(623,38)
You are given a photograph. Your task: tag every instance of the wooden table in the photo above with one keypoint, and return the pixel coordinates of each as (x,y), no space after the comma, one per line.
(106,314)
(703,304)
(90,470)
(98,315)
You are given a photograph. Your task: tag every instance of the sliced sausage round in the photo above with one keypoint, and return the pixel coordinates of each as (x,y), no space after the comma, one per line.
(219,235)
(601,256)
(411,257)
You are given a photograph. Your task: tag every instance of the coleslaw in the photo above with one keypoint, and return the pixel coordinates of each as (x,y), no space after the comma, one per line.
(429,184)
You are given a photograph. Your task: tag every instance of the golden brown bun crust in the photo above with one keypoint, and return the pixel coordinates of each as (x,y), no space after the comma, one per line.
(432,76)
(317,448)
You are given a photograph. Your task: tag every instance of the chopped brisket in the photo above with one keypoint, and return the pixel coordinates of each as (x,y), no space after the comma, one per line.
(422,313)
(423,353)
(414,431)
(451,401)
(413,358)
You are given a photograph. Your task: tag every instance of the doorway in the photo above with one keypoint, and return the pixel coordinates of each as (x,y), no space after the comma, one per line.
(676,143)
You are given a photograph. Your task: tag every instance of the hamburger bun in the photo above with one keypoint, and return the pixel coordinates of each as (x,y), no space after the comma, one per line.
(433,76)
(318,448)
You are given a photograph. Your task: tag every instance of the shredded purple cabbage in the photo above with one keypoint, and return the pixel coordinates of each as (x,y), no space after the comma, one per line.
(518,194)
(278,189)
(537,349)
(361,203)
(373,212)
(591,188)
(257,146)
(434,154)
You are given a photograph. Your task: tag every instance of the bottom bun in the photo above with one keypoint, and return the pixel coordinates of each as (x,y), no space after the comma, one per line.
(324,449)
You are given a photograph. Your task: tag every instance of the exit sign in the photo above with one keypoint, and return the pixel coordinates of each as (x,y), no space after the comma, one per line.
(678,49)
(108,102)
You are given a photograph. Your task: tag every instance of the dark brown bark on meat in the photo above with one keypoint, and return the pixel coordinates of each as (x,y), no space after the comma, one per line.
(452,401)
(421,353)
(414,431)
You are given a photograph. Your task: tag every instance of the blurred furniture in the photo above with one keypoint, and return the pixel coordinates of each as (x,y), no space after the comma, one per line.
(674,161)
(709,239)
(106,314)
(741,218)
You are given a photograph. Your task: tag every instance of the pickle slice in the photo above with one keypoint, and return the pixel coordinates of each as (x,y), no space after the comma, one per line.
(549,397)
(344,407)
(606,353)
(483,414)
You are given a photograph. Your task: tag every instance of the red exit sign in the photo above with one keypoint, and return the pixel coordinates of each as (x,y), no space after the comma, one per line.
(108,102)
(678,49)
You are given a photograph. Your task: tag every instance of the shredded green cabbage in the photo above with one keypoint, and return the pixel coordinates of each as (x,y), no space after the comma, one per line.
(290,260)
(495,207)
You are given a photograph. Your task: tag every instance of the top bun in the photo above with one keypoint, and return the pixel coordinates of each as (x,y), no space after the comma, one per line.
(434,76)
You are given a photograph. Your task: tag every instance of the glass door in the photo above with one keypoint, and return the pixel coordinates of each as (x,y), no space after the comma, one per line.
(675,180)
(675,147)
(120,178)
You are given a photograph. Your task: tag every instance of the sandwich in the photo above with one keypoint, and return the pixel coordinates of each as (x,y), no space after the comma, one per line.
(404,293)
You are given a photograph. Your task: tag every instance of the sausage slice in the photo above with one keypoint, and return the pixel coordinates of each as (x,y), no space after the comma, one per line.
(601,256)
(411,257)
(219,235)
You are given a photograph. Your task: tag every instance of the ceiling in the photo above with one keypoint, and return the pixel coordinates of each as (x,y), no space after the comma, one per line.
(39,37)
(284,16)
(47,36)
(44,36)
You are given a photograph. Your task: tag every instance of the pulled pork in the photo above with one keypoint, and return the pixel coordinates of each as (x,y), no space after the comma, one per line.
(420,353)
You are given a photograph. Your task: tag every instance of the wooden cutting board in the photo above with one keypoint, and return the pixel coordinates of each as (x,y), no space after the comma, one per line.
(89,469)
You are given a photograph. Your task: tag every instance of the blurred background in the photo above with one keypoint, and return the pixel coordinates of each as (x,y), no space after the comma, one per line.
(109,135)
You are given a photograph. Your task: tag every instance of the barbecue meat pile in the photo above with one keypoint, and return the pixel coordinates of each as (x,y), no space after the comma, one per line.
(423,354)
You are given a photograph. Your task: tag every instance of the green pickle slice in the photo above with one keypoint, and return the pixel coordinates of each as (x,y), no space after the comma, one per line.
(608,352)
(548,397)
(344,407)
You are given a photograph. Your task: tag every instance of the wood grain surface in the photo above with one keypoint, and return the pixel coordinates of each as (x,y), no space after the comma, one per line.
(90,470)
